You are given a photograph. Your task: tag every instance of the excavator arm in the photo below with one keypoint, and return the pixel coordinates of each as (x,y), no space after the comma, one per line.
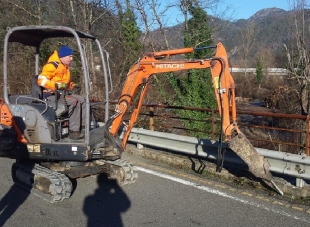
(158,62)
(224,89)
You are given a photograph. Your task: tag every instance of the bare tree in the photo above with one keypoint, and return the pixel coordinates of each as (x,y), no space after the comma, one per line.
(247,42)
(28,10)
(298,52)
(266,57)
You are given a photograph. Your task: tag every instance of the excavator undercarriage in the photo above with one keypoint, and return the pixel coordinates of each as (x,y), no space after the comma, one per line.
(52,181)
(42,182)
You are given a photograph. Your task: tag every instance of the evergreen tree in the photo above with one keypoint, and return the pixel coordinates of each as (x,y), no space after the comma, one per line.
(130,36)
(195,89)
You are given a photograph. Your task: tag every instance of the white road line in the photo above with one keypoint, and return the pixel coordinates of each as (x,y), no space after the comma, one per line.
(219,193)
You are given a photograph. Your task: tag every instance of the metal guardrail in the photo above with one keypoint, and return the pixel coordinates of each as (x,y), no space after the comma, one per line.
(292,165)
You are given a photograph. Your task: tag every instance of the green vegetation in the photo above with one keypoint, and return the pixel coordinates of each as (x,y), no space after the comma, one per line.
(195,88)
(129,36)
(259,71)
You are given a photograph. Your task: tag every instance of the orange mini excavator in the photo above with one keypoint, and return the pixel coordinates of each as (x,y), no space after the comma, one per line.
(34,127)
(224,89)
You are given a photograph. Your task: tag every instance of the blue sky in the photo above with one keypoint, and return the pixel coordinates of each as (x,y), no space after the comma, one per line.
(226,9)
(230,9)
(244,9)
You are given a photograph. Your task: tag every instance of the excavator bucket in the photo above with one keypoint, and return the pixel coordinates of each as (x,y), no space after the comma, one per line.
(258,164)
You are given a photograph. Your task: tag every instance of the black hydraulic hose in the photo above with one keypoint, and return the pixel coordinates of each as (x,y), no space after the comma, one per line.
(220,151)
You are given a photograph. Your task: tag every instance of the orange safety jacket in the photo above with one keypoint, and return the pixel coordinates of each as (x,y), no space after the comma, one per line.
(54,72)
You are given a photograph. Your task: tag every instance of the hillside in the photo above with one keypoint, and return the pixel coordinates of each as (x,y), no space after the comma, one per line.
(270,29)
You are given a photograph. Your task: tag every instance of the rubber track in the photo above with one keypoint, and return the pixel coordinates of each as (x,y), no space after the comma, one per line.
(7,139)
(131,172)
(61,185)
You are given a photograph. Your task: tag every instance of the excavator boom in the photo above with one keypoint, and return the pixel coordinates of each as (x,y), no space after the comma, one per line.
(156,63)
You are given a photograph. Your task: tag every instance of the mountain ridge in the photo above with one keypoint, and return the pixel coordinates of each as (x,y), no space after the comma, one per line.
(265,12)
(270,31)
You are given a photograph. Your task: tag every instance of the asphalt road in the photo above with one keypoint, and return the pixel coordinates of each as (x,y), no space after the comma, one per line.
(160,197)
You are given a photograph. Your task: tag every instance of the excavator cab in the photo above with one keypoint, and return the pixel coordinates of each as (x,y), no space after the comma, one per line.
(39,101)
(39,121)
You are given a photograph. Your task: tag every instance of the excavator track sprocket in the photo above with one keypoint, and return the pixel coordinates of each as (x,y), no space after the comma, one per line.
(45,183)
(121,170)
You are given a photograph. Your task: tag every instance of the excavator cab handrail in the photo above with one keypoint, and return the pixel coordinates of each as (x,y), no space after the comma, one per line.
(109,70)
(32,98)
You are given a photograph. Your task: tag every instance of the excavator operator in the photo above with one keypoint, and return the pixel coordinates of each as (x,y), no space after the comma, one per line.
(55,75)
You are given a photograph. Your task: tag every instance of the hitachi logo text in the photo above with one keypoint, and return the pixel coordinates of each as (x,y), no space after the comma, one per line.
(170,66)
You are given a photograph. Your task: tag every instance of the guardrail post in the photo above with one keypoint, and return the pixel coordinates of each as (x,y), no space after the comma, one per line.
(300,182)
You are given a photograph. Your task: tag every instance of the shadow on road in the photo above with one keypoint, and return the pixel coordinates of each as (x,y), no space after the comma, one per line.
(12,200)
(105,206)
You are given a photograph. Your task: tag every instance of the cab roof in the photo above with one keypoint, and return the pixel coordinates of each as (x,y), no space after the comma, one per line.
(33,35)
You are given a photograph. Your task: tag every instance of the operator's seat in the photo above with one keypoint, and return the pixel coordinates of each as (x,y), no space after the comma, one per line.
(56,101)
(37,91)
